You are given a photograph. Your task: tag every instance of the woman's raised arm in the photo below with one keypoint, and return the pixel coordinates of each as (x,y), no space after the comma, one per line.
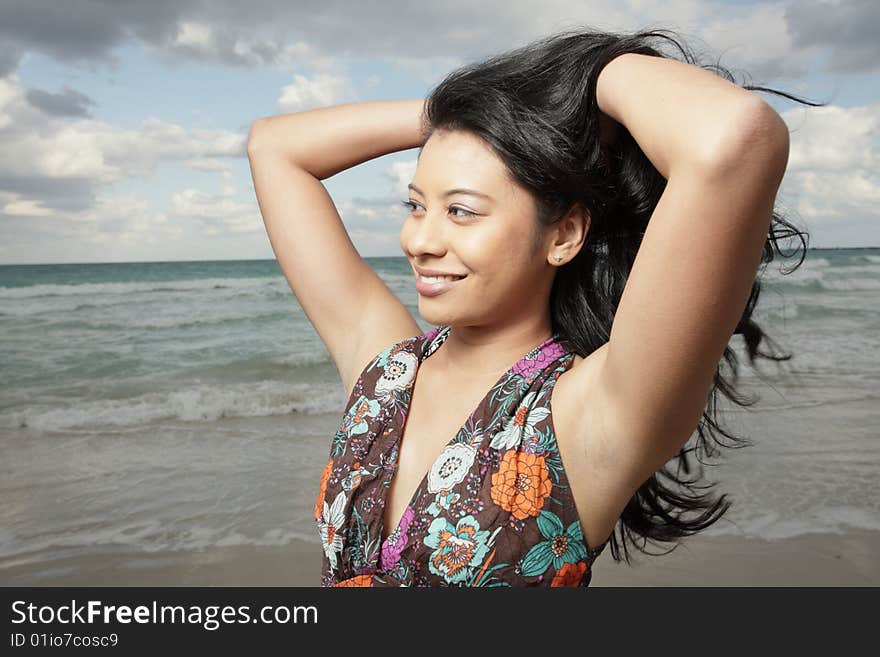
(351,308)
(723,151)
(331,139)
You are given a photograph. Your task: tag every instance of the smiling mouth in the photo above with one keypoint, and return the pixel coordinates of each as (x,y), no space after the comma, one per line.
(438,279)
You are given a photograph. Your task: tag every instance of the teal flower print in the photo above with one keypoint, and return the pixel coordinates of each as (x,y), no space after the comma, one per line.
(355,421)
(561,546)
(443,501)
(458,549)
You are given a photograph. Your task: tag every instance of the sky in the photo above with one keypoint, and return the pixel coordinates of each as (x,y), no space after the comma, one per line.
(123,124)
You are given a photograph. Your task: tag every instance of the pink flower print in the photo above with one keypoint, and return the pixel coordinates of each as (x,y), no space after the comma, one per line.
(396,541)
(538,358)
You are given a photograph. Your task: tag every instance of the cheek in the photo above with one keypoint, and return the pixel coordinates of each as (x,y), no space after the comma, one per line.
(498,265)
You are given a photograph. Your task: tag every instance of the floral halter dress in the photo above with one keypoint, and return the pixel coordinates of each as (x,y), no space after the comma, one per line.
(495,508)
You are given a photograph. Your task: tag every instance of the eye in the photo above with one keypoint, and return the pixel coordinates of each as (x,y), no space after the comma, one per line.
(467,213)
(412,205)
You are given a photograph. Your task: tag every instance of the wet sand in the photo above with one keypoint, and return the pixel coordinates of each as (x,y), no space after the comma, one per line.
(851,559)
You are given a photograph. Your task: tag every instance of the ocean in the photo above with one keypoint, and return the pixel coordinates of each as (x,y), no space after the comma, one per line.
(166,406)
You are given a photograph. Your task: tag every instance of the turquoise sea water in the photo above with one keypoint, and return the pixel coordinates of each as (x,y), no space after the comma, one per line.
(173,405)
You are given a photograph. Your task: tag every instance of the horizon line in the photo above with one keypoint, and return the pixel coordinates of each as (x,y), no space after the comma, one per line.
(156,262)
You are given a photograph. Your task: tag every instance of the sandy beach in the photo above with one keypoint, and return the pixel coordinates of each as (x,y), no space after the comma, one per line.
(807,560)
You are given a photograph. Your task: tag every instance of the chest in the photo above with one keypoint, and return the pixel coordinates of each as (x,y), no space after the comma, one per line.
(435,417)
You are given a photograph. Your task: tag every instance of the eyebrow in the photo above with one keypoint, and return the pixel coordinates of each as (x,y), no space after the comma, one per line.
(450,192)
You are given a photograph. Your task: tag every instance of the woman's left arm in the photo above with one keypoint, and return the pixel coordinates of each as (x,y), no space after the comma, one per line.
(723,152)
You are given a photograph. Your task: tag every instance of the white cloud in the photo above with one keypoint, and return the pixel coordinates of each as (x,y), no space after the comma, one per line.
(61,163)
(26,208)
(401,175)
(194,35)
(58,196)
(60,177)
(834,137)
(755,39)
(320,90)
(769,36)
(216,213)
(833,162)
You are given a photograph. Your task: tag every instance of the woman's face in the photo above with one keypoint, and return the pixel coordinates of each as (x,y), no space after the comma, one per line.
(494,247)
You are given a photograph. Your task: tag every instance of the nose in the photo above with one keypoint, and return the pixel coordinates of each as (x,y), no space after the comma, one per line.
(425,234)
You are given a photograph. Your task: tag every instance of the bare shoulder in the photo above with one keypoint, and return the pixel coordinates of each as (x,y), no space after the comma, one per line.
(586,422)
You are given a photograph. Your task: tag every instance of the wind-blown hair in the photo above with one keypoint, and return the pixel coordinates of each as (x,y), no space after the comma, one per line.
(535,107)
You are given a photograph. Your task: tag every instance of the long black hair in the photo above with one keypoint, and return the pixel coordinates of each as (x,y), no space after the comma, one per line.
(535,107)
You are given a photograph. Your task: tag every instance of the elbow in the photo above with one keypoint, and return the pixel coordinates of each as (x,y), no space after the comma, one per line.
(756,137)
(256,136)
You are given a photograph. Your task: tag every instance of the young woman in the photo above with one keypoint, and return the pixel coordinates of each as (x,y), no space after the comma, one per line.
(587,217)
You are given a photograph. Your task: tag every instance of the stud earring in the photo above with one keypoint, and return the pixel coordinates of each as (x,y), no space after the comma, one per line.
(558,257)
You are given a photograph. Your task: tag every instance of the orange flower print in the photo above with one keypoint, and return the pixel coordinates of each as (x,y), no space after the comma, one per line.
(325,475)
(357,580)
(570,574)
(521,484)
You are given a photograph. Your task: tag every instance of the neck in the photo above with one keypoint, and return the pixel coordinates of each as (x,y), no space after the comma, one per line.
(480,351)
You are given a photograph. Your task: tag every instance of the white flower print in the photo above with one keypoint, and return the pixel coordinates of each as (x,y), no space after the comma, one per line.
(521,425)
(399,372)
(451,467)
(329,524)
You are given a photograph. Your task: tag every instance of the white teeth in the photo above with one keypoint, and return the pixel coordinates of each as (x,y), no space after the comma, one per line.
(438,279)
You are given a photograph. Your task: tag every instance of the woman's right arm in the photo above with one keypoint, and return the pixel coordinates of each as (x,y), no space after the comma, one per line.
(351,308)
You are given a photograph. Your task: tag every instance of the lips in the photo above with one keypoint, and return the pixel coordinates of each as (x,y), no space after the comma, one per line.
(439,287)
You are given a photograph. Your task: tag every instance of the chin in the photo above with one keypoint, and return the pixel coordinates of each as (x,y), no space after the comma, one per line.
(432,316)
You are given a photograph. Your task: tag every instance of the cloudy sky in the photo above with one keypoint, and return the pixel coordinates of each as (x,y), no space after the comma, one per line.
(123,124)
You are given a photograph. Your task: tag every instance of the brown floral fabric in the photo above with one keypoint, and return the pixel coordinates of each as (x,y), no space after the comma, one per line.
(495,509)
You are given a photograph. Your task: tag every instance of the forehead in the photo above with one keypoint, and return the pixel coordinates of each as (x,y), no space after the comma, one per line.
(459,159)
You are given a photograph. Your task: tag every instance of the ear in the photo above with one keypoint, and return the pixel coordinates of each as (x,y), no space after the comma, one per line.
(576,224)
(571,231)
